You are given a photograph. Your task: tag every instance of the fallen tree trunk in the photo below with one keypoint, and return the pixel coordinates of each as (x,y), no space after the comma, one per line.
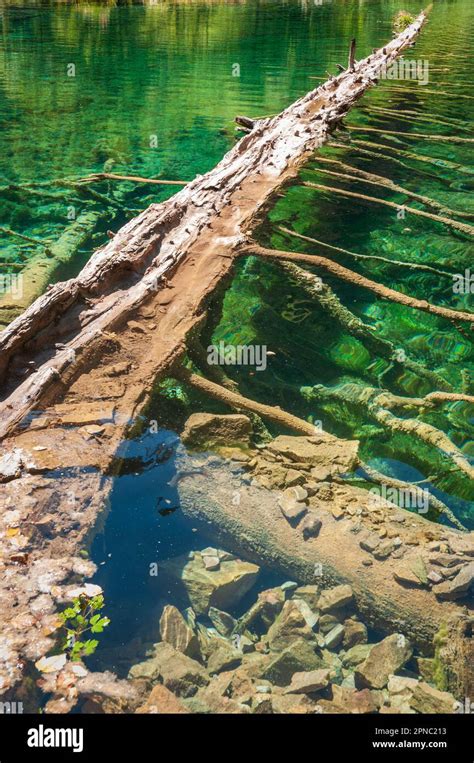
(389,595)
(207,218)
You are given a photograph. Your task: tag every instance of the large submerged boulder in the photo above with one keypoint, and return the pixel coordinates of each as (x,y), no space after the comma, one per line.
(221,587)
(206,430)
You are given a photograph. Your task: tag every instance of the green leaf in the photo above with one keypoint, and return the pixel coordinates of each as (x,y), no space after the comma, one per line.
(68,613)
(97,602)
(90,647)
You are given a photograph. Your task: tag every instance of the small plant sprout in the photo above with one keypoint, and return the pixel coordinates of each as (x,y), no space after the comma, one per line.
(81,617)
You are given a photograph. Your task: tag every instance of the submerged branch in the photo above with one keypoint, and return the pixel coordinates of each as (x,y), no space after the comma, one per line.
(324,296)
(398,263)
(98,176)
(237,401)
(426,136)
(376,402)
(435,503)
(339,271)
(463,227)
(361,176)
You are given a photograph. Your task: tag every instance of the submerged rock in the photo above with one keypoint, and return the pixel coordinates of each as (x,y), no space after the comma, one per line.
(426,699)
(179,673)
(225,657)
(308,682)
(299,657)
(355,632)
(161,700)
(335,598)
(221,588)
(222,621)
(290,624)
(206,430)
(174,630)
(384,658)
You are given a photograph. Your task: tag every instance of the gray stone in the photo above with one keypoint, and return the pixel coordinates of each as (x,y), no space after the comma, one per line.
(308,614)
(334,637)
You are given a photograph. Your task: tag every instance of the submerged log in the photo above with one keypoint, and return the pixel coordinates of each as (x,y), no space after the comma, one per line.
(390,587)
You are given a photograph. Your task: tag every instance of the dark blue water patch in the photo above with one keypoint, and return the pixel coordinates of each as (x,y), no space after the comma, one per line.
(144,527)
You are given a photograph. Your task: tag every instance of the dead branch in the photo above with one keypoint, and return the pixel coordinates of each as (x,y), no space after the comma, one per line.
(339,271)
(359,175)
(463,227)
(398,263)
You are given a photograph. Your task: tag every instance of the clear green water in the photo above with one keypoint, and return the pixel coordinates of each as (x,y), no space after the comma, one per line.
(159,72)
(166,70)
